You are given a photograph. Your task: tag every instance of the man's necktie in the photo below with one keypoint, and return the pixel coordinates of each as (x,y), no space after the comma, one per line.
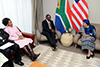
(50,25)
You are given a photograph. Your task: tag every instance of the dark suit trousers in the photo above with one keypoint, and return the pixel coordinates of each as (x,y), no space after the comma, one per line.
(16,51)
(51,38)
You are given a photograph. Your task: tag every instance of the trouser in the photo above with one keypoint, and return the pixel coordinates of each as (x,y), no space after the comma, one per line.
(51,38)
(16,50)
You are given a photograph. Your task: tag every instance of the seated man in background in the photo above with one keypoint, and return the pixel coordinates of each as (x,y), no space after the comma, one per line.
(7,52)
(49,31)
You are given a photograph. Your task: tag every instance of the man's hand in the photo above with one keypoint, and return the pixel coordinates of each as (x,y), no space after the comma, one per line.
(53,30)
(21,37)
(4,39)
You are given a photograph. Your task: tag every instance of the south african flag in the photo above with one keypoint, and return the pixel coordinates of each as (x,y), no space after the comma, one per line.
(63,16)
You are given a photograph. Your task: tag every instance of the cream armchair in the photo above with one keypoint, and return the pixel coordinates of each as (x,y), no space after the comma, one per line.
(40,37)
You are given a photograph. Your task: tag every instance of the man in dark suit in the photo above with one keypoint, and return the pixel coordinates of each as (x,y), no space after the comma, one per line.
(49,31)
(7,52)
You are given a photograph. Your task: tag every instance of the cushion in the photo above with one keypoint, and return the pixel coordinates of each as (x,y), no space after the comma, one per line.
(79,42)
(76,38)
(36,64)
(97,26)
(97,46)
(43,38)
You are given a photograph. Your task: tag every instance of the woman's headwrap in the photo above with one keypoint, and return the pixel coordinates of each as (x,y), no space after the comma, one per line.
(86,21)
(5,21)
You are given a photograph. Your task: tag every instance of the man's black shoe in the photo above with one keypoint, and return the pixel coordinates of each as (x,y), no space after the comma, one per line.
(19,63)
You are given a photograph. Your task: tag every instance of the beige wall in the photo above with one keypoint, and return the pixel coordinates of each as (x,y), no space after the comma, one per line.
(94,11)
(49,6)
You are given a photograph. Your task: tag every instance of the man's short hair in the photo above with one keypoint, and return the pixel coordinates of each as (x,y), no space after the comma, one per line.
(47,15)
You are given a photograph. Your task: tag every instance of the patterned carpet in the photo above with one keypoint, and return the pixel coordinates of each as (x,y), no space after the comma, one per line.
(61,58)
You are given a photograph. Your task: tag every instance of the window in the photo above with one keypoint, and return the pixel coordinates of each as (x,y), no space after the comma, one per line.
(19,11)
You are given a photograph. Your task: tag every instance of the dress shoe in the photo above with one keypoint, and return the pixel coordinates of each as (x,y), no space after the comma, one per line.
(92,55)
(34,46)
(56,48)
(35,57)
(53,49)
(32,58)
(87,57)
(19,63)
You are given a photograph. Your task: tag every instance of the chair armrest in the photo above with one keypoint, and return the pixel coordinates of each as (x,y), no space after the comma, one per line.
(29,35)
(76,38)
(38,35)
(58,34)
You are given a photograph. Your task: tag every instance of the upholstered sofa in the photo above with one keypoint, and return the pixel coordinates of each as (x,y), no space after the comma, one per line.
(77,39)
(41,37)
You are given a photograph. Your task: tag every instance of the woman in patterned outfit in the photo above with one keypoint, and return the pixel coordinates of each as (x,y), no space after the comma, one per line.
(88,37)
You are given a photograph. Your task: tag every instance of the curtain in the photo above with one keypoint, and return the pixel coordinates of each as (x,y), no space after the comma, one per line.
(19,11)
(37,13)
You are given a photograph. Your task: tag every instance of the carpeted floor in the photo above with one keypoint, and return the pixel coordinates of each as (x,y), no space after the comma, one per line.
(63,58)
(60,58)
(71,48)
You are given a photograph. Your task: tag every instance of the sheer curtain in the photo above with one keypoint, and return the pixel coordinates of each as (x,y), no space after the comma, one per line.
(19,11)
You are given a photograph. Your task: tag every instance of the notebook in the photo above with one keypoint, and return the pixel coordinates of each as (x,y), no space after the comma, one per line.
(6,45)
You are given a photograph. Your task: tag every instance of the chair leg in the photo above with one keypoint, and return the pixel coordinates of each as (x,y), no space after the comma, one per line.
(58,41)
(38,43)
(75,46)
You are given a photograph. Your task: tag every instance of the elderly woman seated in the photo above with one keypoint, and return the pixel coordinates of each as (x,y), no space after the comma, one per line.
(87,32)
